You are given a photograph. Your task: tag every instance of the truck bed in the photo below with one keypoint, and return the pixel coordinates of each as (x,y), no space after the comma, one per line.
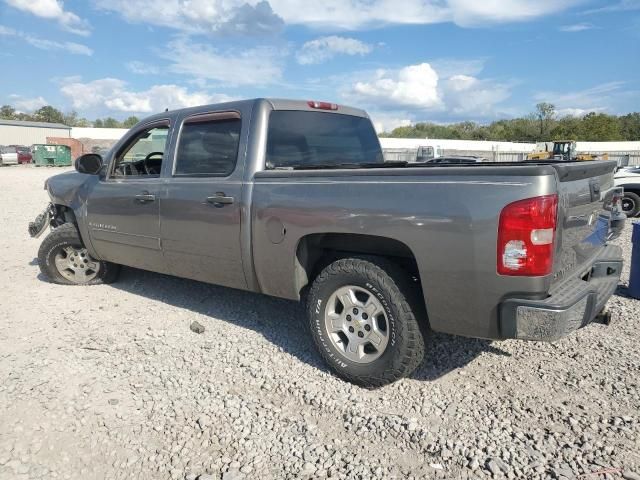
(443,218)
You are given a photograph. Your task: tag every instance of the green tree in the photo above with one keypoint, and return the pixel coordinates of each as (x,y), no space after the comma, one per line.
(600,127)
(630,126)
(130,122)
(7,112)
(98,123)
(82,122)
(545,113)
(48,114)
(110,122)
(567,128)
(25,117)
(70,118)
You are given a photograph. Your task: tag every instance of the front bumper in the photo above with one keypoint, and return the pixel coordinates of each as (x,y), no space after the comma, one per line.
(569,306)
(42,221)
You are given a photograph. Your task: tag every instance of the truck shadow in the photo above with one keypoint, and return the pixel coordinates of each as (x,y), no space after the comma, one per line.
(445,353)
(282,322)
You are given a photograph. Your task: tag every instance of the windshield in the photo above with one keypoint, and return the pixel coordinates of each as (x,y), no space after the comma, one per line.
(306,139)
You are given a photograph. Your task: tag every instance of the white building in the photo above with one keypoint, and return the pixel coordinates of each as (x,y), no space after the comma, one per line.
(98,133)
(17,132)
(462,145)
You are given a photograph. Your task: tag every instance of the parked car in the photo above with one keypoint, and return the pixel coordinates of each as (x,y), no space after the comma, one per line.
(24,154)
(293,199)
(8,156)
(629,179)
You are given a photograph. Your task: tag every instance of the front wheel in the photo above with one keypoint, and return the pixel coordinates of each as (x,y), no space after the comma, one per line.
(63,259)
(362,315)
(631,204)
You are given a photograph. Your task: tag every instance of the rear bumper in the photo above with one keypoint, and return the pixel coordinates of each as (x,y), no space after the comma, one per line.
(569,306)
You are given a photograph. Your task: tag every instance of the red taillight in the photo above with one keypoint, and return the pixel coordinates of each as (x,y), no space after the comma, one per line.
(526,235)
(322,105)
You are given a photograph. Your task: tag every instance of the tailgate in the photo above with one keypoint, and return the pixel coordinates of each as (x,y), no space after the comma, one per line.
(584,203)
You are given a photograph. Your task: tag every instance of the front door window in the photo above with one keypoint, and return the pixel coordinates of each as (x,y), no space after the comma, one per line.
(143,156)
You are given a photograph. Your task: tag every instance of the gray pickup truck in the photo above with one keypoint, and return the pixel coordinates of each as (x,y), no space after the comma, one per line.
(293,199)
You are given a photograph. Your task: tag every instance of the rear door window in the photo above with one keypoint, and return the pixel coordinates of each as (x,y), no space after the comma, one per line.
(300,138)
(208,145)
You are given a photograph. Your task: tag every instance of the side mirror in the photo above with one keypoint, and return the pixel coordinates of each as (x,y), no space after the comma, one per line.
(89,163)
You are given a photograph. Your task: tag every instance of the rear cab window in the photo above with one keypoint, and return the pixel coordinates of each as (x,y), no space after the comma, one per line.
(302,138)
(208,145)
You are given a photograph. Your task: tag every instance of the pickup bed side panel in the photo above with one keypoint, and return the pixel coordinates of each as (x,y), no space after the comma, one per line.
(448,218)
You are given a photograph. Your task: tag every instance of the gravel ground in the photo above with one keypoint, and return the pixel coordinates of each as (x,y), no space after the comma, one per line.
(110,382)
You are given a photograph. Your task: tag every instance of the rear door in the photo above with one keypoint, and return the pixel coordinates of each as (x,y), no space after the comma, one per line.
(123,208)
(585,190)
(201,207)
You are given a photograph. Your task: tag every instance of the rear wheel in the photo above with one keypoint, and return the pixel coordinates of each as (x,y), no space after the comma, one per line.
(631,204)
(64,259)
(362,315)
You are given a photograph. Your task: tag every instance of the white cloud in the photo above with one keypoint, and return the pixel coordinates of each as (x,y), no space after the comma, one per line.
(112,94)
(387,121)
(466,95)
(253,16)
(45,44)
(621,6)
(576,27)
(142,68)
(598,98)
(418,90)
(257,66)
(199,16)
(27,104)
(325,48)
(448,67)
(53,10)
(577,112)
(477,13)
(355,14)
(414,86)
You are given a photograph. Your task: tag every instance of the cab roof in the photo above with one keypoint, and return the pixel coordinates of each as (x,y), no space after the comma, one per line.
(274,103)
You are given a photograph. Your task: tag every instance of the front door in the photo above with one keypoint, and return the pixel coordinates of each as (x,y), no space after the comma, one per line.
(123,210)
(200,212)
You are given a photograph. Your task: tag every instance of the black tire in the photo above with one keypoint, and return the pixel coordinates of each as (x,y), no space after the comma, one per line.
(402,304)
(66,235)
(633,200)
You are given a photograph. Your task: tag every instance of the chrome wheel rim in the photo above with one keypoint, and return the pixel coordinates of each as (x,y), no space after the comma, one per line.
(76,265)
(628,205)
(356,324)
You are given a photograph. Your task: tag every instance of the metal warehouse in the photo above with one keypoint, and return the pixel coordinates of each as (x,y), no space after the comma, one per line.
(16,132)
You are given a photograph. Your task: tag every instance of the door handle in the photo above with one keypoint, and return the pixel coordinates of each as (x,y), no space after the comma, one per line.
(220,200)
(145,197)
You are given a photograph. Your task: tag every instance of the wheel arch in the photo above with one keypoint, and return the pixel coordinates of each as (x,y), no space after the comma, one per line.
(634,188)
(64,213)
(315,251)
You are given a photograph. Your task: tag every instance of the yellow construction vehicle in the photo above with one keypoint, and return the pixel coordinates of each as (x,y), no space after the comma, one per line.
(564,150)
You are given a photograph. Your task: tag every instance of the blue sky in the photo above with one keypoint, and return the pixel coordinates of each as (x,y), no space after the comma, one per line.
(411,60)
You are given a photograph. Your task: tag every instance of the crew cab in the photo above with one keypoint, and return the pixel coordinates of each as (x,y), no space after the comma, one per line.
(294,199)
